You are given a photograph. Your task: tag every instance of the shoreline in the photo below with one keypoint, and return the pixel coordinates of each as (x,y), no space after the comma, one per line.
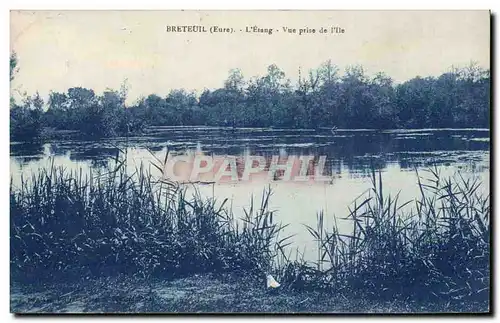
(50,134)
(205,294)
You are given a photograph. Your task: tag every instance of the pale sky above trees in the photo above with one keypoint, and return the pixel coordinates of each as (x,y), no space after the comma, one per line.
(100,49)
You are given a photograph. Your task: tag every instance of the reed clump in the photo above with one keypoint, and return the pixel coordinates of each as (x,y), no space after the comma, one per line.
(436,248)
(66,225)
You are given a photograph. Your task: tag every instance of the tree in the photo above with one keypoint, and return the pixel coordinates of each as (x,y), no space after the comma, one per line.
(321,98)
(13,65)
(57,115)
(26,119)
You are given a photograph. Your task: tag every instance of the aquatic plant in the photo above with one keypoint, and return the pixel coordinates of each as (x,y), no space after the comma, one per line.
(437,250)
(67,225)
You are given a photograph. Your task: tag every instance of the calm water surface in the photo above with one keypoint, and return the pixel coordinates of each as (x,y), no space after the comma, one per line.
(349,157)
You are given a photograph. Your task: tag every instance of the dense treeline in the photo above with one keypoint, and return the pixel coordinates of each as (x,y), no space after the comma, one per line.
(321,98)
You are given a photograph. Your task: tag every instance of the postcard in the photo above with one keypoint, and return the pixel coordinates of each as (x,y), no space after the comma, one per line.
(250,162)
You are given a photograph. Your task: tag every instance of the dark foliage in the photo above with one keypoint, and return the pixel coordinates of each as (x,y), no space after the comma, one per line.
(26,119)
(67,225)
(438,251)
(323,98)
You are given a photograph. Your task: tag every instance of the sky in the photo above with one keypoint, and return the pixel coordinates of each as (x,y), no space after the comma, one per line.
(100,49)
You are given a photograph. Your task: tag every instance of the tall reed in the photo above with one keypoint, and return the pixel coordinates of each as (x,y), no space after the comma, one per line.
(439,249)
(68,225)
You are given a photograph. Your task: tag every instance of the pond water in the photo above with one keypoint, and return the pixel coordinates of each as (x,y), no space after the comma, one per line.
(349,158)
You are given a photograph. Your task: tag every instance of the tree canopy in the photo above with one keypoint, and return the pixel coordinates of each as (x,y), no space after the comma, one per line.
(322,97)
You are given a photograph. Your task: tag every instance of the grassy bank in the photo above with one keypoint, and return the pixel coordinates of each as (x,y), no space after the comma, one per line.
(66,227)
(203,294)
